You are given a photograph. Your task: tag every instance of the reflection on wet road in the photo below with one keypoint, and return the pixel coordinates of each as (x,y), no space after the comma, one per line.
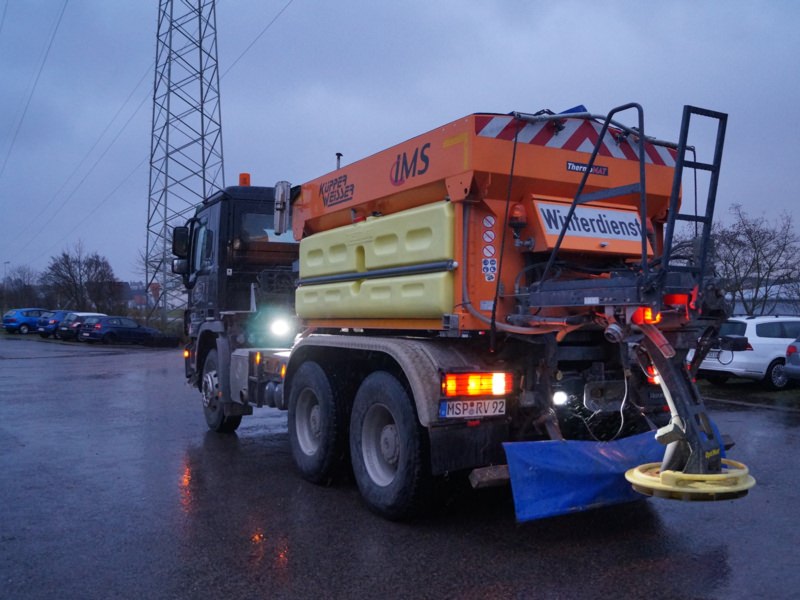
(111,487)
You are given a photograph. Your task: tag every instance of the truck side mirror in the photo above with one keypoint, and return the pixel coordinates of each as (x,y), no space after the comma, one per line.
(180,266)
(180,243)
(283,192)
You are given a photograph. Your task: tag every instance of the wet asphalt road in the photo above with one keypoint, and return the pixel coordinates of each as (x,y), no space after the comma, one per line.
(111,487)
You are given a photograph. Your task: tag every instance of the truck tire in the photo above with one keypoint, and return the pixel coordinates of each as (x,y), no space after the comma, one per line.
(317,425)
(212,404)
(388,448)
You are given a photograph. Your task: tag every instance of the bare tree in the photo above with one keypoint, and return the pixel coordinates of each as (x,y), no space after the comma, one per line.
(19,288)
(83,281)
(756,260)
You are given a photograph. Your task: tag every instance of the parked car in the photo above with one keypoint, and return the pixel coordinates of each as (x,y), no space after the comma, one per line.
(47,324)
(765,357)
(113,330)
(22,320)
(70,326)
(792,368)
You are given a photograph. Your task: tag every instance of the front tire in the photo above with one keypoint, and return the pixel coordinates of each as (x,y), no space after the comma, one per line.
(212,402)
(317,425)
(23,329)
(388,448)
(776,378)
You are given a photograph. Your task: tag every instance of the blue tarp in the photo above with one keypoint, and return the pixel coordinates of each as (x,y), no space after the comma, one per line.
(556,477)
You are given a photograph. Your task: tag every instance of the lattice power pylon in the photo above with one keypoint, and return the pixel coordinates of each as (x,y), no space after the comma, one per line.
(186,162)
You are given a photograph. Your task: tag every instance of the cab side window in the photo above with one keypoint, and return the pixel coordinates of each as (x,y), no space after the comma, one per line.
(203,247)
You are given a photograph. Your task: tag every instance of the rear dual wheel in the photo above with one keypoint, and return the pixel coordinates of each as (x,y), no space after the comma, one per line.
(388,448)
(317,425)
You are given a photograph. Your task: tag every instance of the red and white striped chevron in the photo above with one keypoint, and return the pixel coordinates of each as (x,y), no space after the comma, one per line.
(577,134)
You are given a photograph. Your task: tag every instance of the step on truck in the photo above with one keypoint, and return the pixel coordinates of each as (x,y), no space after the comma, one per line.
(503,282)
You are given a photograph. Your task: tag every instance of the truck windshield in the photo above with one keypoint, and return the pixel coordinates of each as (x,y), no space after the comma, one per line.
(258,227)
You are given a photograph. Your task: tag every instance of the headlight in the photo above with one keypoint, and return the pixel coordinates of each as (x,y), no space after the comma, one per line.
(560,398)
(280,327)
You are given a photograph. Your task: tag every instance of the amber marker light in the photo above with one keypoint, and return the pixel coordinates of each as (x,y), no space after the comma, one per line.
(517,216)
(476,384)
(646,315)
(186,353)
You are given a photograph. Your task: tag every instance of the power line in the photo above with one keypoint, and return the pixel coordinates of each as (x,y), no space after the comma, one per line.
(105,199)
(84,178)
(35,219)
(258,37)
(3,17)
(33,88)
(97,207)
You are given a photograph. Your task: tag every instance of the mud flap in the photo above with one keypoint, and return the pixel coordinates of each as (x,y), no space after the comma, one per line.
(552,478)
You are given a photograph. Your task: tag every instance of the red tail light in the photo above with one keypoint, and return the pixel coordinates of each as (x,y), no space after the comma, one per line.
(477,384)
(792,349)
(653,378)
(97,325)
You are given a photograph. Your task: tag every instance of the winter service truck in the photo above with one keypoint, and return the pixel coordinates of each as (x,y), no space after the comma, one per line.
(503,293)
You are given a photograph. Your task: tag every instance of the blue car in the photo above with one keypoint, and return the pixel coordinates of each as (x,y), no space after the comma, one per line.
(114,330)
(70,326)
(47,324)
(22,320)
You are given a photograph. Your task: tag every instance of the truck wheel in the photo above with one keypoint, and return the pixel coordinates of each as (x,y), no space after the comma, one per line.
(388,448)
(212,404)
(317,425)
(776,378)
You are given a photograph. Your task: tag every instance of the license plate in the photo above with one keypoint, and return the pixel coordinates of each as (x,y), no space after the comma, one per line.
(41,328)
(84,335)
(712,354)
(471,409)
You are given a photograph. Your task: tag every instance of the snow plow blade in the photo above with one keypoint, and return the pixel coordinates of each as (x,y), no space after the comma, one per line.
(553,478)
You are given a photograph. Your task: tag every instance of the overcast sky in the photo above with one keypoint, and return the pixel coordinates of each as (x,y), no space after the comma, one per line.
(357,76)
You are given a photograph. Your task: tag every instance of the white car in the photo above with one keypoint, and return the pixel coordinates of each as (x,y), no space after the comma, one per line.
(765,356)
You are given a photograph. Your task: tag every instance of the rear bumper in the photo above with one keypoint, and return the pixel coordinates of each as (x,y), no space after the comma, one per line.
(460,446)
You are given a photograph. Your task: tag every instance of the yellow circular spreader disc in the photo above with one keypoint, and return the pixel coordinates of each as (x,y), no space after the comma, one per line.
(734,482)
